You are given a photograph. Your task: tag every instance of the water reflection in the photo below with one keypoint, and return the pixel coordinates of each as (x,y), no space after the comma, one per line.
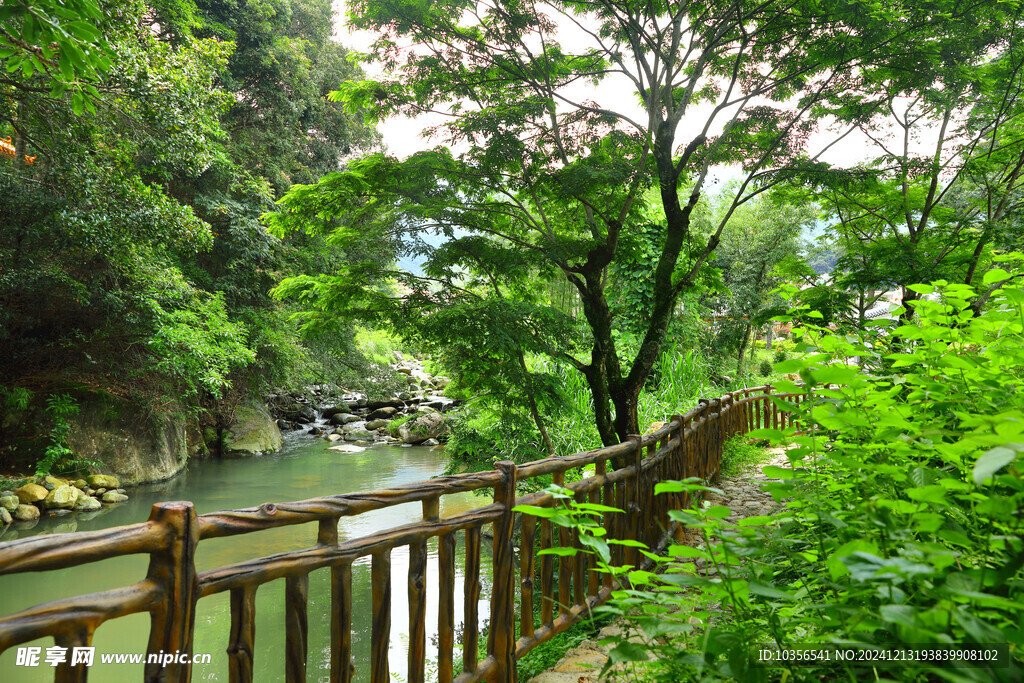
(303,469)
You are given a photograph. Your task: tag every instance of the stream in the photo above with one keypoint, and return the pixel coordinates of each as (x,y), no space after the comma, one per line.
(303,468)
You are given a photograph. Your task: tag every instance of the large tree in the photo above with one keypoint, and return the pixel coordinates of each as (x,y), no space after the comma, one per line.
(562,115)
(942,186)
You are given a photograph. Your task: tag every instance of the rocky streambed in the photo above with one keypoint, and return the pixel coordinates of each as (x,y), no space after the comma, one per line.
(416,416)
(49,495)
(350,421)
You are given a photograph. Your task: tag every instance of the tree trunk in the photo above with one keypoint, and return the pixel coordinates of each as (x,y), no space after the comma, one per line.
(743,349)
(532,401)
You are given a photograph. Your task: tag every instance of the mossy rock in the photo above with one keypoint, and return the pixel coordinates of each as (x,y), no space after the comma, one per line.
(253,431)
(31,493)
(103,481)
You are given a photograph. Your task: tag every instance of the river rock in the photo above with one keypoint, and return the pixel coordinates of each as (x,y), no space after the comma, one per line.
(299,413)
(333,437)
(61,498)
(385,413)
(87,504)
(9,502)
(389,403)
(347,448)
(138,445)
(81,484)
(102,481)
(56,481)
(25,513)
(377,424)
(114,497)
(335,410)
(423,427)
(431,442)
(405,396)
(5,517)
(427,410)
(361,434)
(31,493)
(343,418)
(252,431)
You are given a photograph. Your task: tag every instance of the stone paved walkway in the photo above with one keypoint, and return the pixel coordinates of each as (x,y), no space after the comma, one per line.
(743,495)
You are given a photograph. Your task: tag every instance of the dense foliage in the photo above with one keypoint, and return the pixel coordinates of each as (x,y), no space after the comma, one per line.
(900,512)
(576,188)
(132,256)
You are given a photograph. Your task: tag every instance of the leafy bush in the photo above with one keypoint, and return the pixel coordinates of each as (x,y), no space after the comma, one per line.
(395,424)
(738,454)
(765,368)
(58,457)
(780,355)
(901,521)
(378,345)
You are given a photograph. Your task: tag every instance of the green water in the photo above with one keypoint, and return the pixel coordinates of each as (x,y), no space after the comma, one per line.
(303,469)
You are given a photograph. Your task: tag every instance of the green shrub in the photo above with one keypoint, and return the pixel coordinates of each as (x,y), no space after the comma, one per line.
(739,454)
(780,355)
(902,511)
(765,368)
(395,424)
(58,457)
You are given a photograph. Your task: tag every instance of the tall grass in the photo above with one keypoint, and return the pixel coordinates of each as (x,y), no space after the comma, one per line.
(680,378)
(572,428)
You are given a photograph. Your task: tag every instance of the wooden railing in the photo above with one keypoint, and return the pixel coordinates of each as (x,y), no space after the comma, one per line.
(624,476)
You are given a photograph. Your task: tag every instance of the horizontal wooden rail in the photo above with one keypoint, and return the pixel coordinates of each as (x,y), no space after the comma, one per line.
(561,590)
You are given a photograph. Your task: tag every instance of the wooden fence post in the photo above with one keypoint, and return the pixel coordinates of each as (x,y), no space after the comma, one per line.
(172,622)
(503,594)
(717,438)
(634,495)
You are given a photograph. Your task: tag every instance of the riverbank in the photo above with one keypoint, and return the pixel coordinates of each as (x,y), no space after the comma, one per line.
(303,468)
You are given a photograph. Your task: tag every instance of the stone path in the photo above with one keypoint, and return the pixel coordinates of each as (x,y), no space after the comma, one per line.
(743,495)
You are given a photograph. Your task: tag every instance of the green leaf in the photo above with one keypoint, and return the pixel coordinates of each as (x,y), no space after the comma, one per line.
(535,511)
(560,552)
(776,472)
(928,494)
(995,275)
(595,507)
(991,462)
(598,545)
(836,567)
(82,30)
(718,512)
(627,652)
(768,591)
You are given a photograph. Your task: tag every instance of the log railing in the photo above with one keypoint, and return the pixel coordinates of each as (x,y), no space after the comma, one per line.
(624,476)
